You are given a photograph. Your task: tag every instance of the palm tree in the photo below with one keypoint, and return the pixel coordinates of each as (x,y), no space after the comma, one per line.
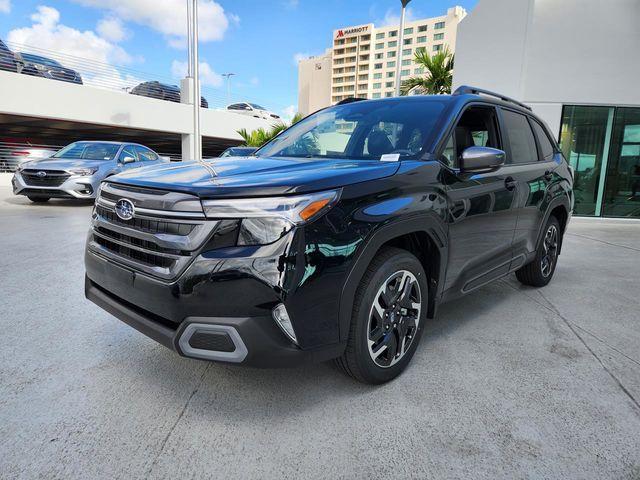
(439,69)
(259,137)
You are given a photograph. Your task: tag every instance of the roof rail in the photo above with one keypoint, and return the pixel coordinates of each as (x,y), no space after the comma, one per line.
(463,89)
(350,100)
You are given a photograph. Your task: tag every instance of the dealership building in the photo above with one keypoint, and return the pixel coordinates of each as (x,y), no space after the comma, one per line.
(362,60)
(575,62)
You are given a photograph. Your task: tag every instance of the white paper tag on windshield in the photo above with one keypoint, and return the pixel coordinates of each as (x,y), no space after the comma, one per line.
(390,157)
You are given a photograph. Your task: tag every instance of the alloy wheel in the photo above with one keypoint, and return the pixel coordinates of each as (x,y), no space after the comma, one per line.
(550,251)
(394,318)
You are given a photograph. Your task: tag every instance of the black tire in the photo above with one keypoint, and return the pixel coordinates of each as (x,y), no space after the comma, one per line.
(540,271)
(39,199)
(357,360)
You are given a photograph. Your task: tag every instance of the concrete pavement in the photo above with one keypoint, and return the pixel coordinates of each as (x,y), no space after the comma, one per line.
(509,382)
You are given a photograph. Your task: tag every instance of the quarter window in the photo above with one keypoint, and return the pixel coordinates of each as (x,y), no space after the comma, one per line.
(543,140)
(521,139)
(145,155)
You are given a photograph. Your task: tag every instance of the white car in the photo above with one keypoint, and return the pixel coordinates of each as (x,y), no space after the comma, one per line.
(252,109)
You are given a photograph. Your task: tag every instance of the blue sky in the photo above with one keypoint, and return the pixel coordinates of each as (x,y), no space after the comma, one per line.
(257,40)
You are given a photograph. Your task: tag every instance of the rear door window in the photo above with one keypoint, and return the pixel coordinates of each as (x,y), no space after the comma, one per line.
(521,139)
(144,154)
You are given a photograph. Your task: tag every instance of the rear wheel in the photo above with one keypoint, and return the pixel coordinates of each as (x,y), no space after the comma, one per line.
(539,272)
(39,199)
(388,318)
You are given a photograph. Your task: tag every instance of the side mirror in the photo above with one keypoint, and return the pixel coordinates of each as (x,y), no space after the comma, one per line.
(128,159)
(481,158)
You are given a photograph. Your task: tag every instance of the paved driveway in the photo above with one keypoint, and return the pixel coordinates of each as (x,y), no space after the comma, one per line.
(510,382)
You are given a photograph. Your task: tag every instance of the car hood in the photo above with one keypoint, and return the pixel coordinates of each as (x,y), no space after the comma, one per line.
(256,176)
(63,163)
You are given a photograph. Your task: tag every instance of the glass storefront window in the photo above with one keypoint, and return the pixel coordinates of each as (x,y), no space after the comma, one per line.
(622,187)
(582,140)
(597,140)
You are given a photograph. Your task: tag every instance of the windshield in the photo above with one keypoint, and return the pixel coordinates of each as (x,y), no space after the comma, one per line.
(257,107)
(41,60)
(360,131)
(89,151)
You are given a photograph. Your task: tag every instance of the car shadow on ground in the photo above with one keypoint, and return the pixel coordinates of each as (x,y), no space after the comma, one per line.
(54,202)
(290,391)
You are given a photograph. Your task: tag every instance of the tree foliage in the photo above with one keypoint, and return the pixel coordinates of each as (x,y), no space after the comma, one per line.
(257,138)
(439,70)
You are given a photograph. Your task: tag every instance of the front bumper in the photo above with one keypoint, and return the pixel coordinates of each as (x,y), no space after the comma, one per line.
(76,186)
(257,341)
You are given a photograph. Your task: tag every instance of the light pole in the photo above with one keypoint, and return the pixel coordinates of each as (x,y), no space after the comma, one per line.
(228,77)
(194,71)
(400,46)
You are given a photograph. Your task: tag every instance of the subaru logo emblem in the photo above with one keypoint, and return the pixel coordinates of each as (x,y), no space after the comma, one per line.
(125,209)
(41,174)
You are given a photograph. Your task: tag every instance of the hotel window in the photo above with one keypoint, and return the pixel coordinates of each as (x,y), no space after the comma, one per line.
(379,56)
(352,49)
(379,35)
(406,51)
(340,42)
(392,44)
(364,48)
(377,66)
(377,76)
(389,85)
(406,62)
(421,39)
(421,49)
(438,36)
(407,41)
(376,95)
(362,86)
(391,74)
(391,54)
(422,28)
(408,31)
(338,61)
(364,67)
(363,77)
(377,85)
(418,71)
(391,64)
(350,69)
(337,89)
(388,94)
(338,80)
(364,58)
(439,26)
(338,70)
(339,51)
(393,33)
(352,40)
(379,46)
(437,48)
(365,38)
(404,73)
(349,88)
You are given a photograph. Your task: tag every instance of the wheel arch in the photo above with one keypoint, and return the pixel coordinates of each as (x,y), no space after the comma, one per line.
(425,237)
(560,208)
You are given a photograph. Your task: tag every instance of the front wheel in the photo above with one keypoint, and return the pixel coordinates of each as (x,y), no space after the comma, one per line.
(539,272)
(389,313)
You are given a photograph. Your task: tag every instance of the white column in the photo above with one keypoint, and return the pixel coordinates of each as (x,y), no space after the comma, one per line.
(186,96)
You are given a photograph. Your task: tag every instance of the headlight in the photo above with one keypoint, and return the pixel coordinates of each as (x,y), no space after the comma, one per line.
(85,172)
(265,220)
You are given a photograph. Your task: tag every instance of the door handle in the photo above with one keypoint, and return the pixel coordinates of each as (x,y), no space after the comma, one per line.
(548,175)
(510,183)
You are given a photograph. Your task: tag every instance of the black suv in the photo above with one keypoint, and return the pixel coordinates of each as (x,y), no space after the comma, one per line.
(339,238)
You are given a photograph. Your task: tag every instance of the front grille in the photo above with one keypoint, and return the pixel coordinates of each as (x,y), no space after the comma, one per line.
(146,225)
(160,240)
(44,178)
(145,258)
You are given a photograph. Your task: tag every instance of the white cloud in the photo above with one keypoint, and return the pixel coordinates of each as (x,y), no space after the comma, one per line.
(291,4)
(84,51)
(392,17)
(169,17)
(112,29)
(48,34)
(208,77)
(288,113)
(255,81)
(5,6)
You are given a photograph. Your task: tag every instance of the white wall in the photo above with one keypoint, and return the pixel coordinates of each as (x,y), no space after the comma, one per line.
(552,52)
(43,98)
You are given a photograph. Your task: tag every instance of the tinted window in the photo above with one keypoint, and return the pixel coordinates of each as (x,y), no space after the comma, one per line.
(521,140)
(144,154)
(543,140)
(476,128)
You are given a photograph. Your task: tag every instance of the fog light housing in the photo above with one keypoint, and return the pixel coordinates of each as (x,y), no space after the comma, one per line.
(281,316)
